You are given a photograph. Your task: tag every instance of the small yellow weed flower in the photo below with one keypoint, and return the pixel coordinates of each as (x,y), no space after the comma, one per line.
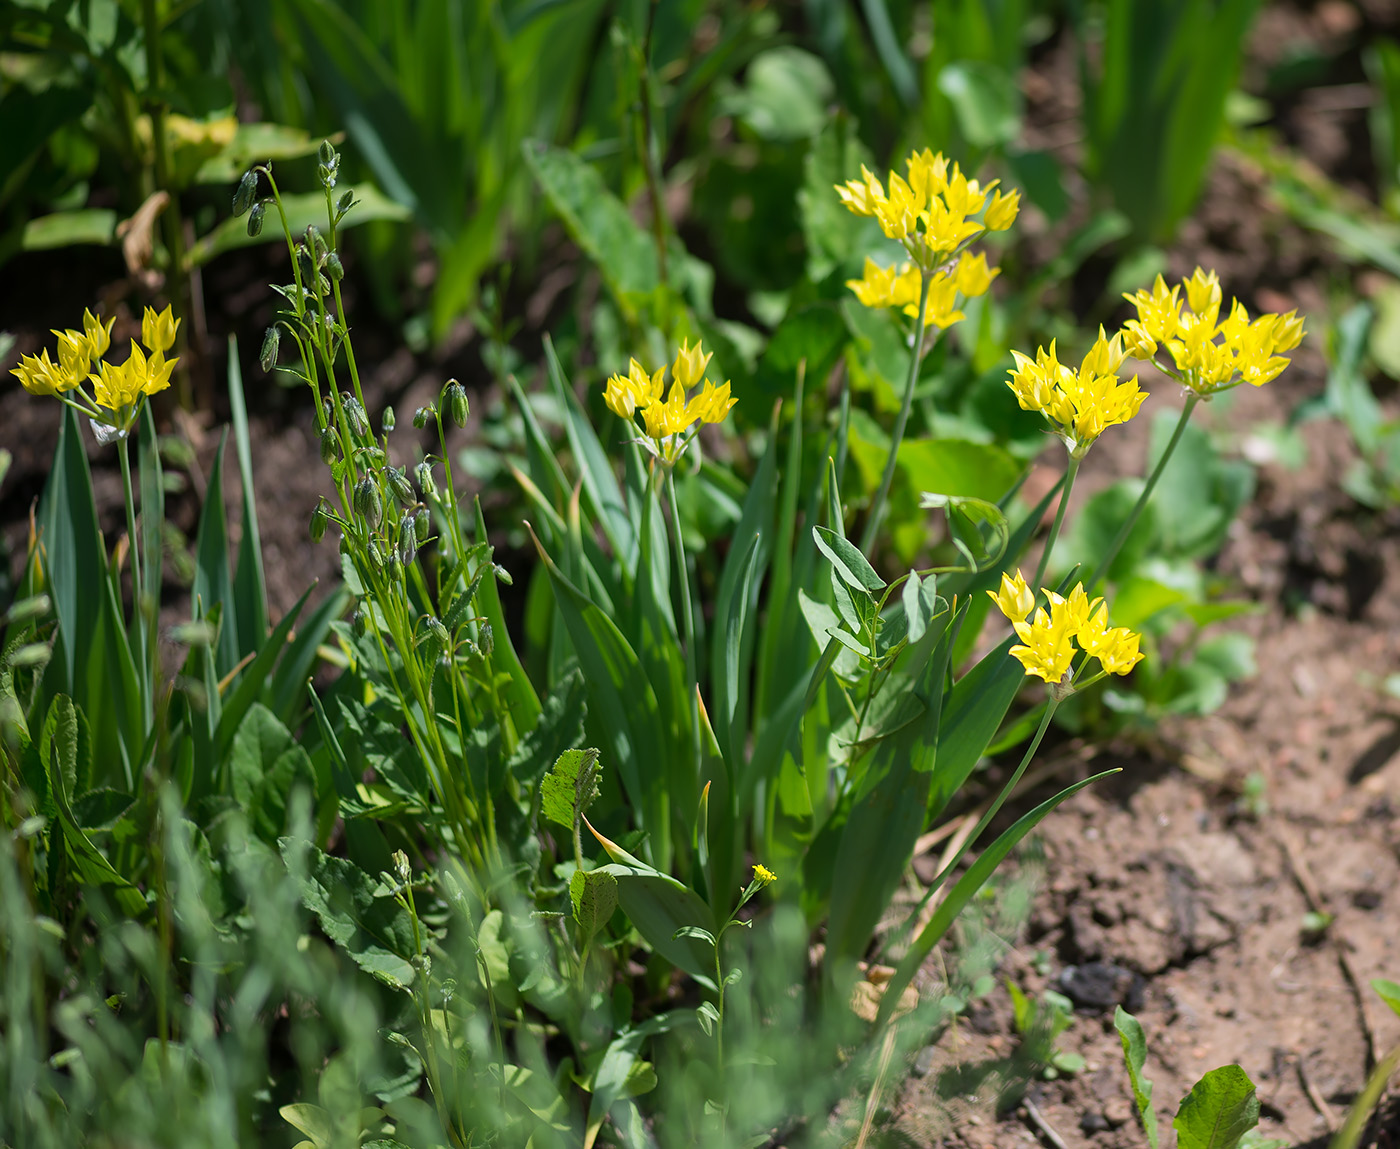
(929,214)
(1247,351)
(1047,640)
(667,420)
(1080,405)
(117,391)
(762,873)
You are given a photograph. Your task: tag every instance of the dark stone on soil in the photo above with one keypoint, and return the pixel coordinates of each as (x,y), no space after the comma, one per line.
(1097,986)
(1093,1122)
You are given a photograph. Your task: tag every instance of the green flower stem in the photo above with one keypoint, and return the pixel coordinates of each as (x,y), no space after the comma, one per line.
(1071,470)
(1131,521)
(877,506)
(143,656)
(692,673)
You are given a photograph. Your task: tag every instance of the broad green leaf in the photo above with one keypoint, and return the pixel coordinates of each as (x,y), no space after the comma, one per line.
(68,228)
(593,895)
(659,906)
(785,94)
(265,765)
(1135,1056)
(915,607)
(255,144)
(373,929)
(612,1078)
(835,237)
(570,787)
(1219,1110)
(986,99)
(302,210)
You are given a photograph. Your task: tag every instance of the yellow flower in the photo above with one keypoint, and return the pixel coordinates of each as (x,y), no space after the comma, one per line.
(1046,650)
(40,375)
(1079,405)
(1248,352)
(893,286)
(120,388)
(1002,211)
(1015,598)
(625,393)
(1158,310)
(158,331)
(973,276)
(762,873)
(1047,641)
(98,334)
(711,405)
(942,302)
(927,211)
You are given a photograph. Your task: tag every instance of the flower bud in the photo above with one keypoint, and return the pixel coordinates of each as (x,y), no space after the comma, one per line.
(330,445)
(387,420)
(401,488)
(439,631)
(245,193)
(408,541)
(424,415)
(376,556)
(502,575)
(319,518)
(369,503)
(486,639)
(267,357)
(457,407)
(315,242)
(424,474)
(334,268)
(357,621)
(326,153)
(355,416)
(307,266)
(422,523)
(255,220)
(344,203)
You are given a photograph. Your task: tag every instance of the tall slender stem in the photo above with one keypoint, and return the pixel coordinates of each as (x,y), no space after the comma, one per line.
(877,506)
(1071,470)
(138,604)
(1131,521)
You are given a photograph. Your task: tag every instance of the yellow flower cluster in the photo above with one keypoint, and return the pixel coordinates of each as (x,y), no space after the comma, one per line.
(1081,404)
(899,286)
(117,391)
(1048,639)
(668,418)
(1248,351)
(928,212)
(762,873)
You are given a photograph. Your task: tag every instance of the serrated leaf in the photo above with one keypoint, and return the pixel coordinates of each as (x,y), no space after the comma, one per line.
(1135,1056)
(1219,1110)
(594,897)
(570,787)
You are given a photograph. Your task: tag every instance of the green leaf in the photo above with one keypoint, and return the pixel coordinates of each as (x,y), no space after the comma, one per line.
(593,894)
(302,210)
(1389,992)
(1219,1110)
(249,585)
(213,585)
(986,100)
(560,726)
(1135,1055)
(570,787)
(847,560)
(785,94)
(597,221)
(835,237)
(265,765)
(255,144)
(967,886)
(69,228)
(370,927)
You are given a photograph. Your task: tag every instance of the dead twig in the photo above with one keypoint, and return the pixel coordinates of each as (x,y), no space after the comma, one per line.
(1046,1129)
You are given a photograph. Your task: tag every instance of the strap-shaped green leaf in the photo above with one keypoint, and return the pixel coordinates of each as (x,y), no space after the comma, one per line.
(1135,1056)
